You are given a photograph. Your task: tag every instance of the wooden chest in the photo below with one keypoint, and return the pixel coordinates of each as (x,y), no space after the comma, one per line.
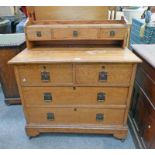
(10,45)
(142,113)
(76,76)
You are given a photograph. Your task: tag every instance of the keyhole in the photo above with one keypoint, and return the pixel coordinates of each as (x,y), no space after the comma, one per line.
(44,67)
(103,67)
(75,109)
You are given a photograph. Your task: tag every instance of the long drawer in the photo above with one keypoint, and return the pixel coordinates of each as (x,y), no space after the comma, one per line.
(74,95)
(87,74)
(69,116)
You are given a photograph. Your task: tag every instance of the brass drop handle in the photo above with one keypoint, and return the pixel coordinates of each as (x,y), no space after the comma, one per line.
(47,97)
(75,33)
(100,97)
(38,33)
(99,117)
(112,33)
(50,116)
(103,76)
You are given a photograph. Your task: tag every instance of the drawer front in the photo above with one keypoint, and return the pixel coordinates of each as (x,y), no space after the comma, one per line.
(75,116)
(38,34)
(75,33)
(103,74)
(113,33)
(45,75)
(74,96)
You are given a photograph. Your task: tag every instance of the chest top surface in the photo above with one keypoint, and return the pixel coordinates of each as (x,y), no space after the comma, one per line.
(75,55)
(146,52)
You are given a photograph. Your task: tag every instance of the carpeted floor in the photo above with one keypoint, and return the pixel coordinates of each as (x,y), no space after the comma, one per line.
(12,135)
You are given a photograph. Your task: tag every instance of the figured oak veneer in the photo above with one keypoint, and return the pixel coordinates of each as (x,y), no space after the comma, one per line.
(74,96)
(39,34)
(75,33)
(30,75)
(75,116)
(116,74)
(112,33)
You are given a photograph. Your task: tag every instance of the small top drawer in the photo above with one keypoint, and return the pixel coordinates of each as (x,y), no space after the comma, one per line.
(110,33)
(104,74)
(45,75)
(75,33)
(39,34)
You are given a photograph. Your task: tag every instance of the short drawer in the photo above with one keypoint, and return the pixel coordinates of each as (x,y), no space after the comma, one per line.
(70,116)
(74,96)
(112,33)
(38,34)
(75,33)
(42,75)
(104,74)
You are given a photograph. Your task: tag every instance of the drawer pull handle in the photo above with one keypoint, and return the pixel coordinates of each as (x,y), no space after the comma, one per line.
(99,117)
(101,97)
(50,116)
(149,126)
(47,97)
(45,76)
(38,33)
(75,33)
(103,76)
(112,33)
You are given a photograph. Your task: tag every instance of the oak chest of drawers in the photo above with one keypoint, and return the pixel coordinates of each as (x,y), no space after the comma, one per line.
(72,80)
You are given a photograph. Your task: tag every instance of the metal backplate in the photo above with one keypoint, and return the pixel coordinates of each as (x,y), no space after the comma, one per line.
(112,33)
(47,97)
(50,116)
(38,33)
(103,76)
(45,76)
(99,117)
(100,97)
(75,33)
